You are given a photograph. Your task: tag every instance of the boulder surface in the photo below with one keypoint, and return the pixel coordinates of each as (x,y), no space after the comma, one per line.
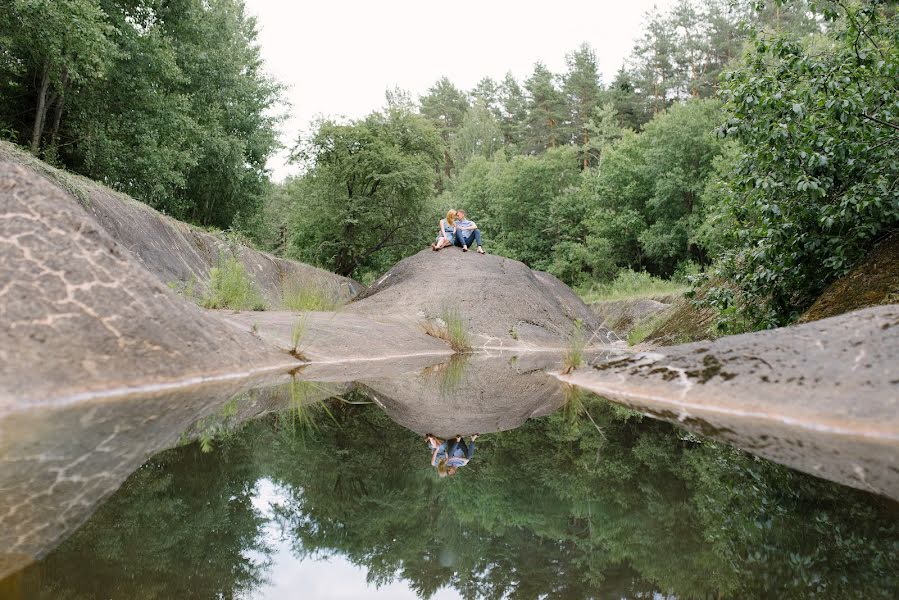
(821,397)
(81,317)
(504,304)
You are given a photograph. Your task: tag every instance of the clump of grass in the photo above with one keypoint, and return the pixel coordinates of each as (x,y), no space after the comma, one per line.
(574,355)
(298,297)
(450,327)
(230,287)
(296,335)
(632,284)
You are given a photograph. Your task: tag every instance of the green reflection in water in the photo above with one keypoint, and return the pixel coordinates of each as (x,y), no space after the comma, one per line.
(591,502)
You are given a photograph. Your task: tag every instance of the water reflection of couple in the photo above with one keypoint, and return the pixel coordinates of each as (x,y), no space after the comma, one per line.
(451,454)
(456,230)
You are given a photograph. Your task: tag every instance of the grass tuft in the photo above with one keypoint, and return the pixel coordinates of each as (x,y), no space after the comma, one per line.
(230,287)
(631,284)
(450,327)
(296,335)
(300,298)
(574,356)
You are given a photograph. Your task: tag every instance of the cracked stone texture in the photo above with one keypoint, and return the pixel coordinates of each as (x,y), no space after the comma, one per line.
(477,393)
(505,304)
(58,464)
(821,397)
(178,253)
(80,315)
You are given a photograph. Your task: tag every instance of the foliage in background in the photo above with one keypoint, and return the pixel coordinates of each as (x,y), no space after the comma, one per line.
(164,101)
(634,284)
(816,181)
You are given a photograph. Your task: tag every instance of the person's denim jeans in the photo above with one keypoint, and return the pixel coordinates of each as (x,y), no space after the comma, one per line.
(464,237)
(467,449)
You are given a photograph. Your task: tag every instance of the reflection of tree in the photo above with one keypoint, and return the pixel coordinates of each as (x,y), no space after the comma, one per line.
(608,505)
(180,527)
(570,508)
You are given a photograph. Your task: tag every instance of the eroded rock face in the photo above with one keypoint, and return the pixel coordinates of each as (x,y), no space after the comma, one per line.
(183,256)
(821,397)
(80,316)
(504,303)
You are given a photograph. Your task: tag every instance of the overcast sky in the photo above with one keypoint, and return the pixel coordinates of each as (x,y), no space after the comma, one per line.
(339,57)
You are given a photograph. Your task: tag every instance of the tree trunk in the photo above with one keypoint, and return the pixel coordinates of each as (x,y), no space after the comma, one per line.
(57,112)
(41,114)
(586,153)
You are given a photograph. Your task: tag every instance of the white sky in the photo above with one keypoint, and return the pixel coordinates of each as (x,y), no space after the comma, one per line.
(339,56)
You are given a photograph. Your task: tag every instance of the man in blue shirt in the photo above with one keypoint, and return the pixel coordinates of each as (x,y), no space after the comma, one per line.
(467,232)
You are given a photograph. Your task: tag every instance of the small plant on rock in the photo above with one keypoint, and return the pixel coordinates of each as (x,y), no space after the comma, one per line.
(574,356)
(450,327)
(230,287)
(315,296)
(296,335)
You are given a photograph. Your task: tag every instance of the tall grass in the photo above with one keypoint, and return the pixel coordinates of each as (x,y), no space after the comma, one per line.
(574,355)
(632,284)
(230,287)
(450,327)
(314,296)
(296,335)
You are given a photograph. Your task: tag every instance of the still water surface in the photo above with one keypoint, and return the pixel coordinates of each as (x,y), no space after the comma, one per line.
(333,499)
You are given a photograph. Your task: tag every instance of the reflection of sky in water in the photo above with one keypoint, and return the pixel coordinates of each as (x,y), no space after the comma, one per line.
(332,577)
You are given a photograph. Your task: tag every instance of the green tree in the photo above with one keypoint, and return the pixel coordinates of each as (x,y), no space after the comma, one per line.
(479,135)
(546,120)
(514,112)
(660,175)
(366,199)
(816,118)
(581,86)
(54,48)
(445,106)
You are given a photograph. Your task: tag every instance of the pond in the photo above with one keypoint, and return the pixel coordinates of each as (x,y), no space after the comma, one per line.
(325,489)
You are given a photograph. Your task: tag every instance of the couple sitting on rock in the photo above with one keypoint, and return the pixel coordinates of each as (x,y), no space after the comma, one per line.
(451,454)
(456,230)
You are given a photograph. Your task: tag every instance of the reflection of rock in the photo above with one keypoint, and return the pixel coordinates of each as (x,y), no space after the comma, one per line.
(476,394)
(821,397)
(81,316)
(60,464)
(505,304)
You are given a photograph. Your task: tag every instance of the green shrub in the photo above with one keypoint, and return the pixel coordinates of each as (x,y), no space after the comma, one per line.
(230,287)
